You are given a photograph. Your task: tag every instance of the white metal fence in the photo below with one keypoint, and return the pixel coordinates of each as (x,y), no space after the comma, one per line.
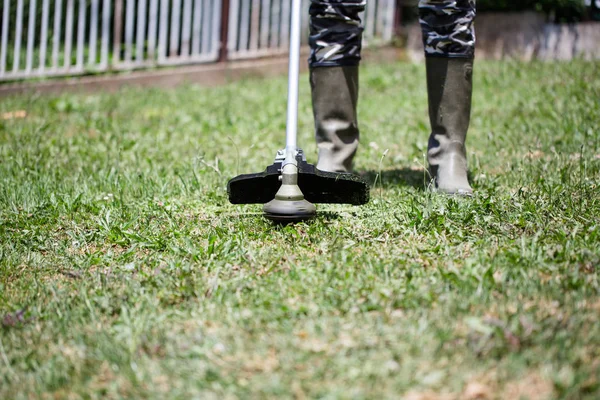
(41,38)
(146,33)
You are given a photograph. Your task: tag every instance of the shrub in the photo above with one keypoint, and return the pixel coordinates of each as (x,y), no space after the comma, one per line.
(558,10)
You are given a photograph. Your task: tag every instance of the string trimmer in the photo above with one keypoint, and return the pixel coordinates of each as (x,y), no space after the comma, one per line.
(290,187)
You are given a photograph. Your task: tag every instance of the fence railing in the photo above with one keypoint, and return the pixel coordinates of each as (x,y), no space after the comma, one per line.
(42,38)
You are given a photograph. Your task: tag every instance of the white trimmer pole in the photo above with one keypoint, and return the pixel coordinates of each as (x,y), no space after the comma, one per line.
(292,107)
(289,203)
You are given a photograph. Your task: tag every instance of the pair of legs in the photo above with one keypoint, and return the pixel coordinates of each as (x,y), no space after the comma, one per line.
(449,41)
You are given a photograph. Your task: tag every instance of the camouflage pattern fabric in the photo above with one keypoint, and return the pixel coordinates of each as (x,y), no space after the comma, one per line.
(447,27)
(336,30)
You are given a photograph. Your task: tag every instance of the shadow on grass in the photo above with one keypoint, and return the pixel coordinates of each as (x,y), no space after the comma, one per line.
(397,177)
(327,216)
(322,216)
(253,216)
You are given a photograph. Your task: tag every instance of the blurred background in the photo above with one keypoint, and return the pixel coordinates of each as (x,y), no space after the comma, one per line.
(558,11)
(54,38)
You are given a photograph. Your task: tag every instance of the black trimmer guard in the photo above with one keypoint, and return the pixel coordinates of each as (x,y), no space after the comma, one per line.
(317,186)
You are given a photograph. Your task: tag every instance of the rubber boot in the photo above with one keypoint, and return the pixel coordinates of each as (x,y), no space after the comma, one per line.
(334,99)
(449,86)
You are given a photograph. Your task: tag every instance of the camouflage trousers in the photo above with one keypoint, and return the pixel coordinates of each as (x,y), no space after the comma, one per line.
(336,30)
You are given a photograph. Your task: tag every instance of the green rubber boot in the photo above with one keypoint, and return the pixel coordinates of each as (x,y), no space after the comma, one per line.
(449,86)
(334,99)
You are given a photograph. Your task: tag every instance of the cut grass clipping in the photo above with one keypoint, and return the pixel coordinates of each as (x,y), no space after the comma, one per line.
(124,272)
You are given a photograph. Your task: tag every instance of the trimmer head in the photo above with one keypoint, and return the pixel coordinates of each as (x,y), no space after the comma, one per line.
(318,187)
(287,211)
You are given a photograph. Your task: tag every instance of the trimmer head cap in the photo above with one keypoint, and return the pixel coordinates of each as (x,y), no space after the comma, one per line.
(287,211)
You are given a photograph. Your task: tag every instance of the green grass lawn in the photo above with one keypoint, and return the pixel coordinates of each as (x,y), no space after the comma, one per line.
(124,272)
